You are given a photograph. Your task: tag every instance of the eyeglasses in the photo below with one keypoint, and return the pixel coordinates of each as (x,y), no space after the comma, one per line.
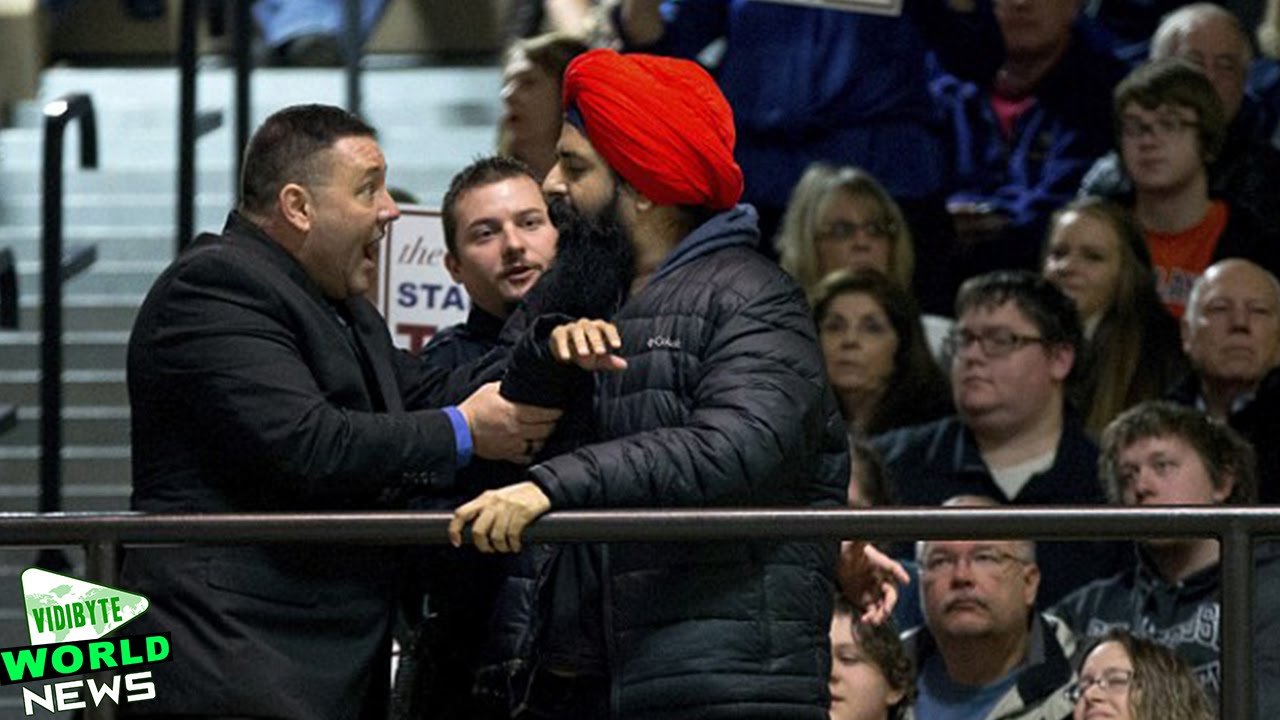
(836,231)
(1112,682)
(998,342)
(1162,129)
(988,561)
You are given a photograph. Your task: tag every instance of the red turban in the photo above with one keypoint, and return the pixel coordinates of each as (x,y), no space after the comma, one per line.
(661,124)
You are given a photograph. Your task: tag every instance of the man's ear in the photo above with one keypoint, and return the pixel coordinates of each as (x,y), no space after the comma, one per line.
(296,207)
(1228,486)
(453,266)
(1062,357)
(635,197)
(1031,584)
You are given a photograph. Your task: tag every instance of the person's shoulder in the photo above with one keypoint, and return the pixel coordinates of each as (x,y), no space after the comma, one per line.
(1082,603)
(918,442)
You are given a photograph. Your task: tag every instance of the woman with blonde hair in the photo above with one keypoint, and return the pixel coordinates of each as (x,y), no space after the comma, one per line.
(841,218)
(1096,255)
(1123,677)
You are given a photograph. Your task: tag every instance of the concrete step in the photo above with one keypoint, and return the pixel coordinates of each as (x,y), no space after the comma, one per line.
(116,209)
(94,478)
(81,350)
(89,426)
(105,277)
(16,182)
(85,312)
(148,97)
(24,185)
(79,387)
(76,497)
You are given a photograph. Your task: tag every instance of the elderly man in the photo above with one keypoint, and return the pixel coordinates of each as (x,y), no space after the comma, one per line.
(1022,143)
(1012,352)
(1246,169)
(983,652)
(261,380)
(1231,333)
(500,241)
(723,402)
(1161,454)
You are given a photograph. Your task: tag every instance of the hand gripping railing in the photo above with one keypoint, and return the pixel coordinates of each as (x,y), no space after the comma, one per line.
(55,269)
(1236,528)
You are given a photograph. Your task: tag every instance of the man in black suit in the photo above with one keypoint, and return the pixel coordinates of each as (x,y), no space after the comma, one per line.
(261,380)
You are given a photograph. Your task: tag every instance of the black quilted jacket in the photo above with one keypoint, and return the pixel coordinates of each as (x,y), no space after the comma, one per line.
(724,404)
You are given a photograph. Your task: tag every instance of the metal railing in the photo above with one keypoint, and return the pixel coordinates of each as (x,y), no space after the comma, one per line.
(103,535)
(58,266)
(192,125)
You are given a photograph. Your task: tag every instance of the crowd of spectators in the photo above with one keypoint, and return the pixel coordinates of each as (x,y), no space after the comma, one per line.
(1039,244)
(911,172)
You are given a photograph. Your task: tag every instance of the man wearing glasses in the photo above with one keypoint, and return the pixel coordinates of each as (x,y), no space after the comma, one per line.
(1012,351)
(983,651)
(1170,128)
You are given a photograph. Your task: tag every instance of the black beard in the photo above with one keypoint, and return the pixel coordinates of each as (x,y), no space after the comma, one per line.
(594,264)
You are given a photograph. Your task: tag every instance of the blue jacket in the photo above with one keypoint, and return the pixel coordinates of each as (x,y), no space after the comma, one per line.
(1038,168)
(811,84)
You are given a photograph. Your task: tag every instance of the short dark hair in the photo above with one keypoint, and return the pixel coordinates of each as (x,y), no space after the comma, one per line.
(1052,312)
(289,147)
(1176,82)
(883,646)
(1223,451)
(482,172)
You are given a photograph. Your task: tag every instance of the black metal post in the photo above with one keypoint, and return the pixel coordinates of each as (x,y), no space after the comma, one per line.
(1237,622)
(57,115)
(102,561)
(352,45)
(187,124)
(102,565)
(244,69)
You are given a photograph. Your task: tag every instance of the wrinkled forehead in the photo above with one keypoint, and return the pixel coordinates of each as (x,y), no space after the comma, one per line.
(1240,283)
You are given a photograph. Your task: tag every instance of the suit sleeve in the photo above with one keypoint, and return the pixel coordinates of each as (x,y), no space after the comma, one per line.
(756,411)
(225,345)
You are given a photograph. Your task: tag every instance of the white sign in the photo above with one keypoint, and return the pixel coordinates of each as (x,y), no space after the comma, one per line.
(415,293)
(872,7)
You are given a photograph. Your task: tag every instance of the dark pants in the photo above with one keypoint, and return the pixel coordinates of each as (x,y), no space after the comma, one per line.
(555,697)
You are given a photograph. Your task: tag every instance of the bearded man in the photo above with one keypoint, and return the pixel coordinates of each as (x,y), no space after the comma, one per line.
(717,399)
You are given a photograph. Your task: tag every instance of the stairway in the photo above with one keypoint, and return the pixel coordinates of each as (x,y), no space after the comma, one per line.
(431,122)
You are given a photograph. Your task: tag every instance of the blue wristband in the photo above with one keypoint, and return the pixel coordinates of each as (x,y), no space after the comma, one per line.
(461,435)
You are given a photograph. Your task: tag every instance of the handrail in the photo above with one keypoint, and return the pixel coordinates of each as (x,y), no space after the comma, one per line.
(1236,527)
(352,42)
(186,124)
(57,115)
(9,301)
(191,126)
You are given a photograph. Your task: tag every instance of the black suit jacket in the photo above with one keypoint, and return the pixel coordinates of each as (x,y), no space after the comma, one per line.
(248,394)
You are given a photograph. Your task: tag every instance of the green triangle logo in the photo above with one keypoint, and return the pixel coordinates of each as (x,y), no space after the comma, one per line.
(65,609)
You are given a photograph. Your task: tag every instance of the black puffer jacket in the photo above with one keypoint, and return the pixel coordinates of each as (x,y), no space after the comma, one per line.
(724,404)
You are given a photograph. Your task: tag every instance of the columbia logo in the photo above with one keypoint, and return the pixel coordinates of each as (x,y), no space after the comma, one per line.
(661,341)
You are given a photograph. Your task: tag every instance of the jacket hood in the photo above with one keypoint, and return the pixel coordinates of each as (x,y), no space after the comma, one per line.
(736,226)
